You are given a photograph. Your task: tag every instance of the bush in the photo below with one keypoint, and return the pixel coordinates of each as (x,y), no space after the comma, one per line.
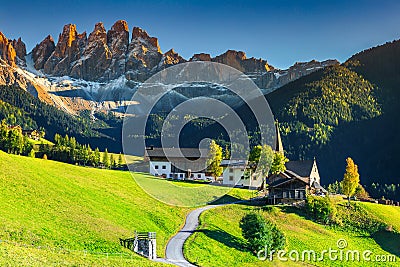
(260,233)
(321,209)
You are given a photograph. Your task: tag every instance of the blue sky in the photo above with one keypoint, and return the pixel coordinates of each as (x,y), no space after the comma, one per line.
(280,31)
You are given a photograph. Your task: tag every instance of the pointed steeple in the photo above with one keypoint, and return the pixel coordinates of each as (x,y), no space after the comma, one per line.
(278,141)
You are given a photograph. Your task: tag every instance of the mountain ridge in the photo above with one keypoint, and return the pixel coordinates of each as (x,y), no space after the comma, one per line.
(100,71)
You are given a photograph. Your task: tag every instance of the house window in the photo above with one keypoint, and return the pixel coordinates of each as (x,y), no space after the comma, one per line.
(230,178)
(156,167)
(181,175)
(254,177)
(198,175)
(230,169)
(164,167)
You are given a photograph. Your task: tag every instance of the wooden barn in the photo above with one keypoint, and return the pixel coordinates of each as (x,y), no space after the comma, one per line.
(301,177)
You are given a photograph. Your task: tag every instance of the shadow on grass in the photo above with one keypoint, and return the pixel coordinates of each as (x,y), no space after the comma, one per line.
(227,199)
(388,241)
(224,200)
(225,238)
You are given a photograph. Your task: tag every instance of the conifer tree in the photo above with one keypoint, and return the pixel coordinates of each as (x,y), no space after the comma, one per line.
(106,159)
(120,162)
(97,157)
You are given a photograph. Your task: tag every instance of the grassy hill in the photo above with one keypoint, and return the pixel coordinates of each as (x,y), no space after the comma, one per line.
(218,242)
(56,205)
(52,212)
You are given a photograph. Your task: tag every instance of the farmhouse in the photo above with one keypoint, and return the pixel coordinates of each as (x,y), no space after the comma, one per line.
(300,177)
(32,134)
(177,163)
(238,173)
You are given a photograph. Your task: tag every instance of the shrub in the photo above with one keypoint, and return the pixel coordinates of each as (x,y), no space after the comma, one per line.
(321,209)
(32,153)
(260,233)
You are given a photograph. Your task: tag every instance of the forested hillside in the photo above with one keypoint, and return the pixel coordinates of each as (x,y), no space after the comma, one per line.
(19,107)
(348,110)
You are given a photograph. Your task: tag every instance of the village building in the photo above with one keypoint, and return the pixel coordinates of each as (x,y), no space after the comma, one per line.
(237,173)
(32,134)
(177,163)
(301,177)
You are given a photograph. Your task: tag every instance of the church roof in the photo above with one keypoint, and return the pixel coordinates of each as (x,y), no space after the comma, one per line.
(302,168)
(278,141)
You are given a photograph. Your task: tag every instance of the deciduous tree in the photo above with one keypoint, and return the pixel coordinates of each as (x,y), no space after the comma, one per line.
(214,159)
(351,179)
(278,164)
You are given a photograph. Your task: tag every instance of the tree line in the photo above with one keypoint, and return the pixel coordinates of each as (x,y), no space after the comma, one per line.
(67,149)
(13,141)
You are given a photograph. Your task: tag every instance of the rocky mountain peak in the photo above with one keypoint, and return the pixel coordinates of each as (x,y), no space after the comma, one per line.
(239,61)
(65,39)
(20,48)
(7,51)
(118,42)
(118,37)
(67,50)
(200,57)
(95,55)
(41,52)
(98,34)
(172,58)
(139,34)
(120,26)
(144,54)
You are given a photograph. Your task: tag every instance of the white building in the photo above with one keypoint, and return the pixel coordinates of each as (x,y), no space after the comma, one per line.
(237,173)
(177,163)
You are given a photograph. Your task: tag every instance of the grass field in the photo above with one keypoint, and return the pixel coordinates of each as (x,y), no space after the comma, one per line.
(41,141)
(187,194)
(126,159)
(389,214)
(54,205)
(52,212)
(47,203)
(17,255)
(219,242)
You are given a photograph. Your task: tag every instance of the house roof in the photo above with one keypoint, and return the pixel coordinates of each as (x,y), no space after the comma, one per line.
(286,180)
(288,176)
(176,152)
(233,163)
(300,167)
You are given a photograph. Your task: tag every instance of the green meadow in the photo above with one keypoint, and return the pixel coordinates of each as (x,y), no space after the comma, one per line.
(66,209)
(54,214)
(218,241)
